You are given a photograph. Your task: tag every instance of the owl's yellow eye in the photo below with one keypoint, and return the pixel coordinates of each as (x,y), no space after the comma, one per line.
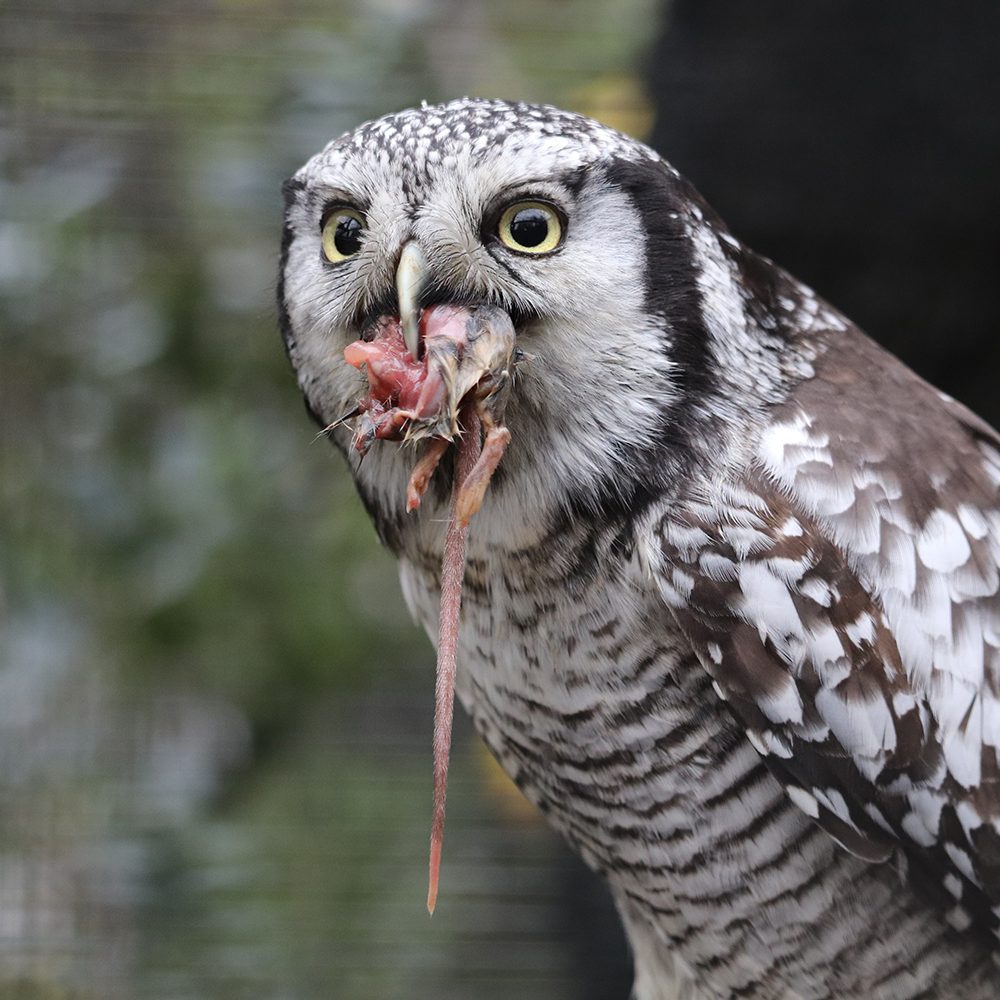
(342,231)
(530,227)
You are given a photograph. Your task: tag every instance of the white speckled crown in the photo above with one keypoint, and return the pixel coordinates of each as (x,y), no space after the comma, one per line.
(432,135)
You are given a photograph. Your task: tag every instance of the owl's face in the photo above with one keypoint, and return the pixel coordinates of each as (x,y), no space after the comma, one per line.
(561,222)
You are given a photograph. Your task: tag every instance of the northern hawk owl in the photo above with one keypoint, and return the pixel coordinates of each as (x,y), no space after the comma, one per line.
(731,604)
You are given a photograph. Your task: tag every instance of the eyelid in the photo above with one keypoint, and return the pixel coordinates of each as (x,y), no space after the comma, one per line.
(333,205)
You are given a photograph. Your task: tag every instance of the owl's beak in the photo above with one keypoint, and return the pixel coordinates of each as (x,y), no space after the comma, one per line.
(411,277)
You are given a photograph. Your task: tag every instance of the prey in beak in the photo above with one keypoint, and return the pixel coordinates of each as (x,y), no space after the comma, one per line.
(441,375)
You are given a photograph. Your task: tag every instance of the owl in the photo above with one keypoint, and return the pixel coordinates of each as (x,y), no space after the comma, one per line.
(729,573)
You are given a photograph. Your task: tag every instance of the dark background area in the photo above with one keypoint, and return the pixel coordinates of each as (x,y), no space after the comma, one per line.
(214,713)
(858,145)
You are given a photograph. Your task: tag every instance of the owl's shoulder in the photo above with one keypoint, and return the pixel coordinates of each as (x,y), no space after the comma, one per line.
(843,590)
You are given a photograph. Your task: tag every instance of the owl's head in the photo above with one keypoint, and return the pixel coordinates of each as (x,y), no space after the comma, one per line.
(601,254)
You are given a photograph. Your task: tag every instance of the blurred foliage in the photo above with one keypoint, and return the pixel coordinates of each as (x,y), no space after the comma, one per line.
(315,887)
(158,478)
(184,570)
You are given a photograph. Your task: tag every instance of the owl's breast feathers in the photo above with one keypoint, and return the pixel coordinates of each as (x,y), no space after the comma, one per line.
(843,591)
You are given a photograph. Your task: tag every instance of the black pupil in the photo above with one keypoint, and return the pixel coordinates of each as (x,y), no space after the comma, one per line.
(347,235)
(529,227)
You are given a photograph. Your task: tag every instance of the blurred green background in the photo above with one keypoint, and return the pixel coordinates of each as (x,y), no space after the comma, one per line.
(215,714)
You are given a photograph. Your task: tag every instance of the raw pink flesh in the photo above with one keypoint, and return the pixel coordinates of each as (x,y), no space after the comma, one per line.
(399,390)
(393,376)
(395,383)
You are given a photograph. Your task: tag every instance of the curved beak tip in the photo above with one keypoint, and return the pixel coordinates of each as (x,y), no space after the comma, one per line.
(411,277)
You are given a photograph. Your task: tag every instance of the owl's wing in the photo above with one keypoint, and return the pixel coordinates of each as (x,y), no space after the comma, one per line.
(844,594)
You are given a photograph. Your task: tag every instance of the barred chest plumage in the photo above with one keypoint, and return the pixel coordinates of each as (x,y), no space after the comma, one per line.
(609,725)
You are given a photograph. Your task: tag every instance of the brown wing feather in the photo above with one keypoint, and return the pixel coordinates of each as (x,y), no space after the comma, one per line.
(845,597)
